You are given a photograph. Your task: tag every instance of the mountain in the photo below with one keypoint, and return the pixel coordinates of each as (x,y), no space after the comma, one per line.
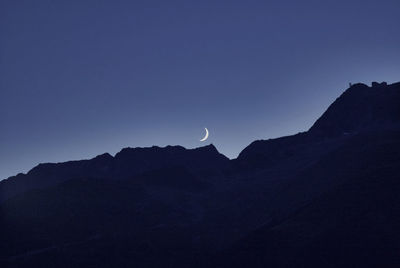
(128,163)
(360,108)
(324,197)
(341,211)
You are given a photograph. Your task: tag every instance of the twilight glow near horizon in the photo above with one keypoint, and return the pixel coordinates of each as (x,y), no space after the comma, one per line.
(80,78)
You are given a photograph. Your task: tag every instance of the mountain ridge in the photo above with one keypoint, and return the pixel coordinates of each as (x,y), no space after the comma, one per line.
(294,201)
(374,106)
(358,92)
(126,163)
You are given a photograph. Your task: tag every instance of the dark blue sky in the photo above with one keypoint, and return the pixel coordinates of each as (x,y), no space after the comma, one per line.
(79,78)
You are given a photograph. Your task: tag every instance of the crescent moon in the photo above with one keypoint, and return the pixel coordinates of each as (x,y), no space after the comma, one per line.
(206,136)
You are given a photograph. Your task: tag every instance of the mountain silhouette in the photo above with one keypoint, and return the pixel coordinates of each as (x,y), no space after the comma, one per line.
(126,164)
(327,197)
(359,108)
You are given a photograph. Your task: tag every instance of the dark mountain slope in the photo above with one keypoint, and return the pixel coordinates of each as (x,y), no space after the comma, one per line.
(128,163)
(322,198)
(341,212)
(92,220)
(360,108)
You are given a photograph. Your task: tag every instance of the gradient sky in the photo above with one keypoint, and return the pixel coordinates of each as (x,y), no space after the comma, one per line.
(79,78)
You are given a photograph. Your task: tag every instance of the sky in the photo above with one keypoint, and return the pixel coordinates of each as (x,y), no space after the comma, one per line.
(80,78)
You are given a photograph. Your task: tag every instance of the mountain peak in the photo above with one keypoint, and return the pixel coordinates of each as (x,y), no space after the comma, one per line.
(210,147)
(360,107)
(105,156)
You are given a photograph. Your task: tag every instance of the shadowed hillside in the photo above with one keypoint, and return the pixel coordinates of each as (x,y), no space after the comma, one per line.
(327,197)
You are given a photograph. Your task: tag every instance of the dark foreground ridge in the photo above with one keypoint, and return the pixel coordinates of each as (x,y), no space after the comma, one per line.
(328,197)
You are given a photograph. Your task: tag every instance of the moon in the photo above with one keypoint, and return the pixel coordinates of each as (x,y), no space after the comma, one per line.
(206,136)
